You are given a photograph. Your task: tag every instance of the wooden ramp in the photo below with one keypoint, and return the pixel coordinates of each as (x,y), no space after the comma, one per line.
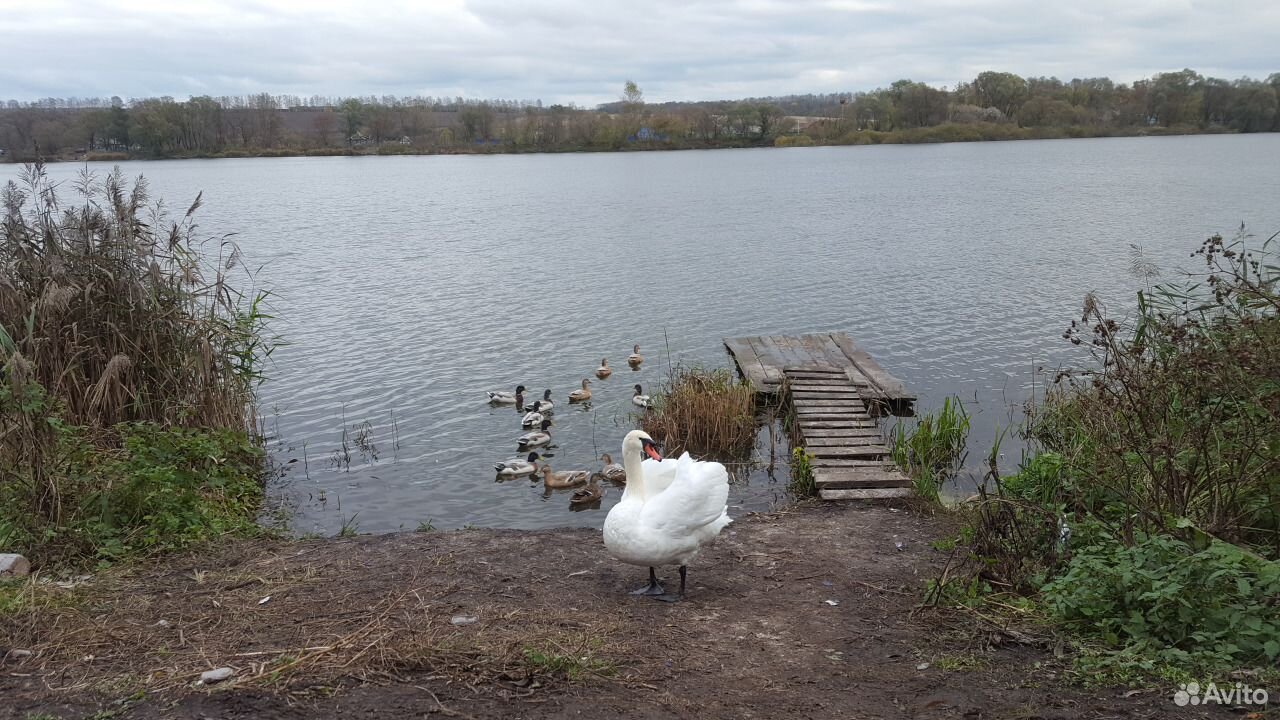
(762,360)
(850,458)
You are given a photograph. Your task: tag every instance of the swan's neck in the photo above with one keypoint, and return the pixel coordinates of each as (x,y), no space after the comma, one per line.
(635,475)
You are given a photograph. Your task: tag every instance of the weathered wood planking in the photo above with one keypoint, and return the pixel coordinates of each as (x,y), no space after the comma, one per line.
(833,388)
(837,424)
(866,494)
(859,478)
(811,441)
(818,361)
(812,434)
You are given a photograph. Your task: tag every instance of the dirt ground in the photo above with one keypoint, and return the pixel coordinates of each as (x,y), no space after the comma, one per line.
(808,613)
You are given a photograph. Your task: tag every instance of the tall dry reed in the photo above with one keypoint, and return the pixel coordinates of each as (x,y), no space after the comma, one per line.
(111,314)
(708,413)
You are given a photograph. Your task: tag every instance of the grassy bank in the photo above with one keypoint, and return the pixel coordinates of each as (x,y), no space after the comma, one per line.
(130,361)
(1145,522)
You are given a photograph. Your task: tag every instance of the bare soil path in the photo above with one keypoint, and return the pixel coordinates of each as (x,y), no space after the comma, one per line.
(808,613)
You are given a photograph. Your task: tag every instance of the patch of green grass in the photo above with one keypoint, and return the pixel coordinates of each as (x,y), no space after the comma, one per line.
(569,666)
(960,663)
(425,526)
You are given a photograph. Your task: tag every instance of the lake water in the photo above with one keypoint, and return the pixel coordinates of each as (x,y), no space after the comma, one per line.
(407,286)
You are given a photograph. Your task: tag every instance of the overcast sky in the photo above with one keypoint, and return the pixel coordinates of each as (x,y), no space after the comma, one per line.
(582,50)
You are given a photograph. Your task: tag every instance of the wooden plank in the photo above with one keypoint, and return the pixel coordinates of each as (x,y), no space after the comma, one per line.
(821,346)
(821,386)
(772,365)
(814,375)
(748,362)
(846,394)
(835,402)
(862,473)
(852,413)
(886,383)
(807,424)
(849,432)
(847,463)
(856,451)
(865,494)
(830,442)
(859,478)
(796,356)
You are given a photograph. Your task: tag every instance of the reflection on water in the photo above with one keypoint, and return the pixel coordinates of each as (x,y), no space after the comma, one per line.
(408,286)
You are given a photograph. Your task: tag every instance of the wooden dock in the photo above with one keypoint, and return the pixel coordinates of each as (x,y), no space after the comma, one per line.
(835,392)
(762,360)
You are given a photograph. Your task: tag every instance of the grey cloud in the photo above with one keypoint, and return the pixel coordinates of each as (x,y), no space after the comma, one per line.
(581,51)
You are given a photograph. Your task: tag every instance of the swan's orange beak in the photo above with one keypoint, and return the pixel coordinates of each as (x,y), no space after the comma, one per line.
(652,451)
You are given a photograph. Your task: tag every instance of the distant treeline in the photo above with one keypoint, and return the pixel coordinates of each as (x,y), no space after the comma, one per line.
(994,105)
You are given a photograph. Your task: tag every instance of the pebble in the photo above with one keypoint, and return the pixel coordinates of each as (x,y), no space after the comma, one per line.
(12,565)
(922,666)
(218,675)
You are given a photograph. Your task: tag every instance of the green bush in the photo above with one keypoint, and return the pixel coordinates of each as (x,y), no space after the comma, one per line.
(157,488)
(1161,598)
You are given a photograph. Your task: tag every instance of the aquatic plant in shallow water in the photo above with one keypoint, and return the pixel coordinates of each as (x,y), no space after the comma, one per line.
(708,413)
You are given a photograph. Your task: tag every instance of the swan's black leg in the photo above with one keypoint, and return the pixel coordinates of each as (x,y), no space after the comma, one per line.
(653,588)
(676,598)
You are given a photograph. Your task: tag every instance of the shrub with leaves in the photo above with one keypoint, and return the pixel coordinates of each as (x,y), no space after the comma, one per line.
(1160,597)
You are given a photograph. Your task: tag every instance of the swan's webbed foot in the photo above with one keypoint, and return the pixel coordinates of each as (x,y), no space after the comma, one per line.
(666,597)
(653,588)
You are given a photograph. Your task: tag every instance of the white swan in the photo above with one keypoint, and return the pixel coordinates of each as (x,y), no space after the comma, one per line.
(501,397)
(531,418)
(668,511)
(643,401)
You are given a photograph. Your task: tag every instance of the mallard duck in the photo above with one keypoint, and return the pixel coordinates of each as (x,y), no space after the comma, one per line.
(537,438)
(516,467)
(545,405)
(635,358)
(604,370)
(590,494)
(499,397)
(669,510)
(641,400)
(612,471)
(582,395)
(560,480)
(531,419)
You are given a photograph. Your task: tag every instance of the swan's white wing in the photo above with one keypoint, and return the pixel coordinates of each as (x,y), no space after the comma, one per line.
(695,499)
(658,475)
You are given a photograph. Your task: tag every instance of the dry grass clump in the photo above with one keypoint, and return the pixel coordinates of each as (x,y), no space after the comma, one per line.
(708,413)
(118,313)
(129,364)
